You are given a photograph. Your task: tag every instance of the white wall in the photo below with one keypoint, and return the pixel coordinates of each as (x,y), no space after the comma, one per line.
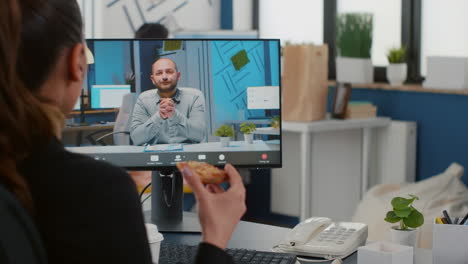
(444,25)
(243,13)
(119,18)
(297,21)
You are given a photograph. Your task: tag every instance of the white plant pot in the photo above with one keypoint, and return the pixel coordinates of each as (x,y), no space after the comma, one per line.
(225,141)
(248,138)
(354,70)
(404,237)
(396,73)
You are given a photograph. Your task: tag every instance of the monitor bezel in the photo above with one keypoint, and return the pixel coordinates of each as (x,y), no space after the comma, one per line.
(249,166)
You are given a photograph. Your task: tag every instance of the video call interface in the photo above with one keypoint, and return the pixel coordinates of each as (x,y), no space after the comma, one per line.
(216,101)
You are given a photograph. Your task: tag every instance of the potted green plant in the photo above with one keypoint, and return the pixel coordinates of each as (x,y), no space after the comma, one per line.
(224,132)
(397,70)
(409,220)
(247,129)
(275,122)
(130,78)
(354,43)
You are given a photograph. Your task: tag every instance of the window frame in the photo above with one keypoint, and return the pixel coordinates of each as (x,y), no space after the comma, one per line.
(411,15)
(410,37)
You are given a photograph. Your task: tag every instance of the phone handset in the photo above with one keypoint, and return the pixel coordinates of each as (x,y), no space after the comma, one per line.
(302,233)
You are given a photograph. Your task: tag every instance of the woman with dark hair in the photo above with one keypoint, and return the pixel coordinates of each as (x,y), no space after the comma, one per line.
(86,211)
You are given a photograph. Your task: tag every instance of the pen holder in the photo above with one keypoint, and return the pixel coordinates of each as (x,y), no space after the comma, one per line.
(449,244)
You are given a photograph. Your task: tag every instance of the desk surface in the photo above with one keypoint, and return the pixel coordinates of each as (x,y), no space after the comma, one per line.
(334,125)
(264,237)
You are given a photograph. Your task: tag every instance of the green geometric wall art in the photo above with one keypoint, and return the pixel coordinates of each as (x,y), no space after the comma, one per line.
(240,59)
(171,45)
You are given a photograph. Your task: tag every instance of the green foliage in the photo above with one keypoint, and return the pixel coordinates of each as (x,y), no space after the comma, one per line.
(247,128)
(275,122)
(397,55)
(405,213)
(224,131)
(354,35)
(129,78)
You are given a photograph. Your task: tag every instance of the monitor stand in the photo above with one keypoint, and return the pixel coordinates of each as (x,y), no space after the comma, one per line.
(166,203)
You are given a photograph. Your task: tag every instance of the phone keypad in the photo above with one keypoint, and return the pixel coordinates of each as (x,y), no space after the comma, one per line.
(336,235)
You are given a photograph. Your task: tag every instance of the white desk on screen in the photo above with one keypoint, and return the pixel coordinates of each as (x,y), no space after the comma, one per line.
(306,131)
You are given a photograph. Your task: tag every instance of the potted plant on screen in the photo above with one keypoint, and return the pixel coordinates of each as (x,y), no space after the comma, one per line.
(130,78)
(247,129)
(275,122)
(224,132)
(409,220)
(397,70)
(354,43)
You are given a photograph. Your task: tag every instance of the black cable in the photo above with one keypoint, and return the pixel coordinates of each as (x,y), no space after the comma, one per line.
(146,199)
(165,184)
(144,189)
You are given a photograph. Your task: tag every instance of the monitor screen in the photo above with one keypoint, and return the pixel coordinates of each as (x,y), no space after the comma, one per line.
(217,101)
(108,96)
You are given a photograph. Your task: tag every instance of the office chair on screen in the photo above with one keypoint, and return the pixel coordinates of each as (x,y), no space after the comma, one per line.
(121,132)
(20,242)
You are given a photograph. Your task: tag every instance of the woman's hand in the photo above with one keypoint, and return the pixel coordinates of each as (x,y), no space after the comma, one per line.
(219,210)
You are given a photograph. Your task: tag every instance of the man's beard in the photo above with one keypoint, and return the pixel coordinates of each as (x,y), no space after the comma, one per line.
(171,88)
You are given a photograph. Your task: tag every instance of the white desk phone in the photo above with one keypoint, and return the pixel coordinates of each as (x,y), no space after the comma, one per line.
(320,237)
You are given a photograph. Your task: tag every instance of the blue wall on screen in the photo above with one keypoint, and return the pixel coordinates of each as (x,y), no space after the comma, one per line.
(230,85)
(112,61)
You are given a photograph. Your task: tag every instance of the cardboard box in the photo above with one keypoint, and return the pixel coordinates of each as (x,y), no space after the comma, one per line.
(385,253)
(449,244)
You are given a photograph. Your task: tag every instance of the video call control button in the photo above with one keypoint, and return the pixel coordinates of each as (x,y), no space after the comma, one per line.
(202,157)
(221,157)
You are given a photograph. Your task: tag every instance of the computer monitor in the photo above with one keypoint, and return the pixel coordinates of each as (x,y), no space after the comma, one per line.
(108,96)
(222,85)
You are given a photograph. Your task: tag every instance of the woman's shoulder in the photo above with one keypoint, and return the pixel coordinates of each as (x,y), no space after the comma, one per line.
(60,167)
(87,170)
(80,163)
